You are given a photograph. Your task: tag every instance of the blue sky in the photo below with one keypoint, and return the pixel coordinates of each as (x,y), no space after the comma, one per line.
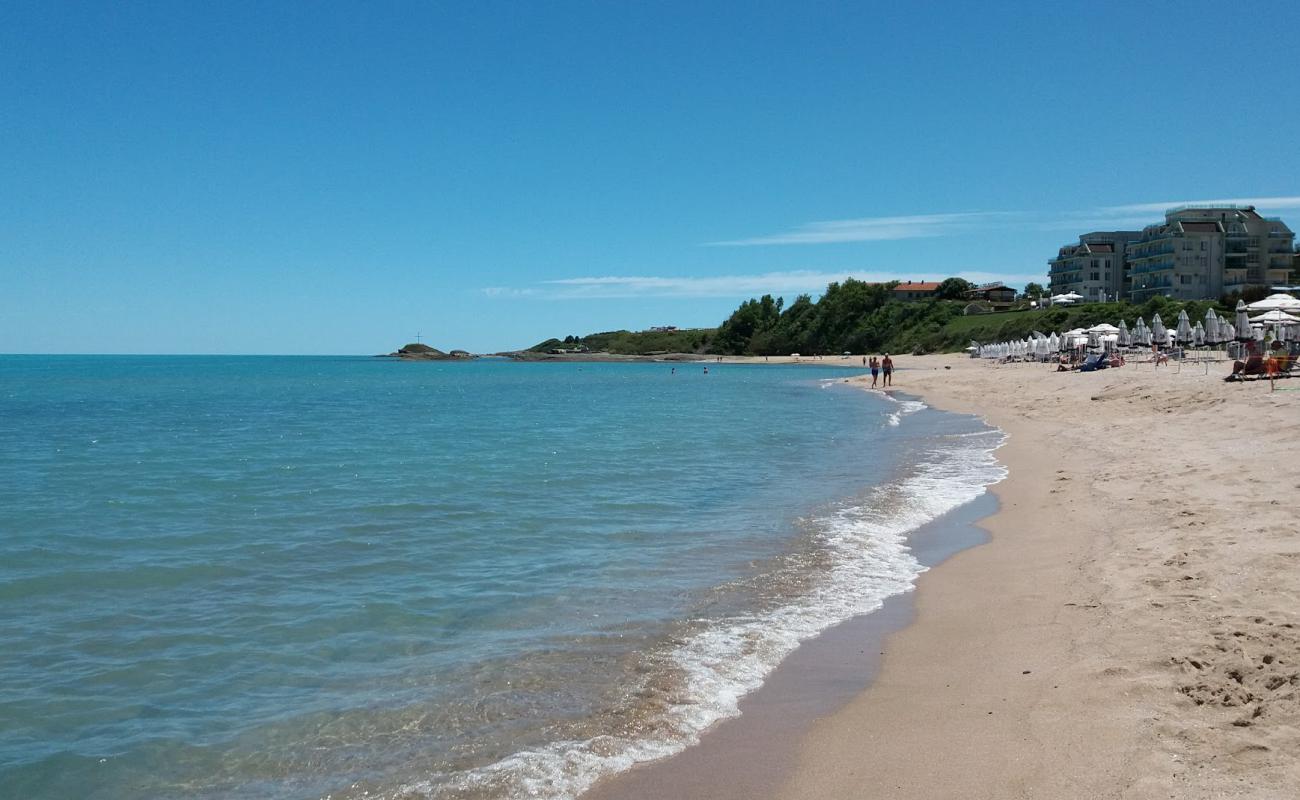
(333,178)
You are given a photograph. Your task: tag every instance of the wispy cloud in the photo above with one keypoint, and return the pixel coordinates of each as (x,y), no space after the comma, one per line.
(918,226)
(786,283)
(696,286)
(1262,203)
(869,229)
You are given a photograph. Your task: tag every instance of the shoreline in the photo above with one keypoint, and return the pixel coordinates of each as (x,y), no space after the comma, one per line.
(746,756)
(1131,629)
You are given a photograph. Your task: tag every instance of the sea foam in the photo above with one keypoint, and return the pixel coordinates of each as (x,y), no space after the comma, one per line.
(869,561)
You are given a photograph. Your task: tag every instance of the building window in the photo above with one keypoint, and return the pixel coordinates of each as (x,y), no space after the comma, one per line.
(1203,244)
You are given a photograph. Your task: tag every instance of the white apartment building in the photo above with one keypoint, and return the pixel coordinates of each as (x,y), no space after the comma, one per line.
(1095,268)
(1204,252)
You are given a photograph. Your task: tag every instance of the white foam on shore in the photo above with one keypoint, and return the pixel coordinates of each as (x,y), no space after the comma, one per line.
(905,406)
(869,561)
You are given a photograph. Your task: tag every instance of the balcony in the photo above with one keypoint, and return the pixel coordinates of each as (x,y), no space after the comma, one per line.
(1147,269)
(1163,251)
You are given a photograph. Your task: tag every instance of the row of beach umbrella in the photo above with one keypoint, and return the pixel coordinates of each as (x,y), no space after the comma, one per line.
(1274,321)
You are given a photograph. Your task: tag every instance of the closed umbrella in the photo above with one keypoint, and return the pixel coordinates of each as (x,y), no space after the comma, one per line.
(1158,332)
(1198,335)
(1244,334)
(1211,327)
(1184,328)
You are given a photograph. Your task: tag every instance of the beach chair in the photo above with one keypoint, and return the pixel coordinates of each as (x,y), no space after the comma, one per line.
(1095,362)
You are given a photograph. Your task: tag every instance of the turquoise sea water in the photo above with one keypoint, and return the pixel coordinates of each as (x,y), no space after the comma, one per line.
(345,577)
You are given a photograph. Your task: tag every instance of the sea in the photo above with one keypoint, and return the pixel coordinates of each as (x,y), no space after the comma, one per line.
(292,578)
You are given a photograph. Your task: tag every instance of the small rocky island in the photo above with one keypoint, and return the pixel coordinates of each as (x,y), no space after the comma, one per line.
(423,352)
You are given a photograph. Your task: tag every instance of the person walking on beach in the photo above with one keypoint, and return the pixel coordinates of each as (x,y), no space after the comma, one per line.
(875,370)
(887,367)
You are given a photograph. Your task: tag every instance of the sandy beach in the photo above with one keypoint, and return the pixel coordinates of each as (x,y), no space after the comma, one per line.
(1132,629)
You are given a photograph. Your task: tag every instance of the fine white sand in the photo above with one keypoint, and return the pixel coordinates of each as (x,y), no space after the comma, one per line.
(1133,628)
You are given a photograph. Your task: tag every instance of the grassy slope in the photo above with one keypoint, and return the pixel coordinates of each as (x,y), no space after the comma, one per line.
(959,331)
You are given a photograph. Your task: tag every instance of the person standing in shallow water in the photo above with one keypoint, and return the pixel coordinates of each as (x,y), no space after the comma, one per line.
(875,370)
(887,367)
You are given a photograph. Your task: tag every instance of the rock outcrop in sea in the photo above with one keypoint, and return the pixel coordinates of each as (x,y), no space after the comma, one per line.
(422,352)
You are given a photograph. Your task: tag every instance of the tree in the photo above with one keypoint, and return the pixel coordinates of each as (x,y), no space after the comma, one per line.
(1034,290)
(954,289)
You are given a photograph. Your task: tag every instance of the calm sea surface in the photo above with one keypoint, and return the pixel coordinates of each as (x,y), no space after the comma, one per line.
(346,577)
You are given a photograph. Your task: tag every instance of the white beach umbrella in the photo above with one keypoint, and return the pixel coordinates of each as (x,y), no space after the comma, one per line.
(1211,327)
(1125,338)
(1158,332)
(1142,336)
(1244,333)
(1276,318)
(1276,302)
(1198,334)
(1103,328)
(1184,327)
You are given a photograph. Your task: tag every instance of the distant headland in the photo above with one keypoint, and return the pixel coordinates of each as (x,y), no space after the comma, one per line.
(423,352)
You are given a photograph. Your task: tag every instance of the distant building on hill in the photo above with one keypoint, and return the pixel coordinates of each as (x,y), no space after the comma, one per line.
(1204,252)
(915,290)
(1095,268)
(1197,253)
(995,293)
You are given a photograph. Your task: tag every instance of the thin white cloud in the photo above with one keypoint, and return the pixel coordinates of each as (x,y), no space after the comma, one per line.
(918,226)
(1261,203)
(871,229)
(795,281)
(788,284)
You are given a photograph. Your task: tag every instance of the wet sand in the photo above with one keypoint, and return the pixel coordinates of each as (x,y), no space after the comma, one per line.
(747,756)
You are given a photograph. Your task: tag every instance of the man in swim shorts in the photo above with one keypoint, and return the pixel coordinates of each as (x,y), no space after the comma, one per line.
(887,367)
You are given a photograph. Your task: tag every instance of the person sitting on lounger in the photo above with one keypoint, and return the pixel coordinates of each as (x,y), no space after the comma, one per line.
(1253,365)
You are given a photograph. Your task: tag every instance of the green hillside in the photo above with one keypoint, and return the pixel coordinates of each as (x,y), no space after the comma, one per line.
(636,343)
(860,317)
(865,318)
